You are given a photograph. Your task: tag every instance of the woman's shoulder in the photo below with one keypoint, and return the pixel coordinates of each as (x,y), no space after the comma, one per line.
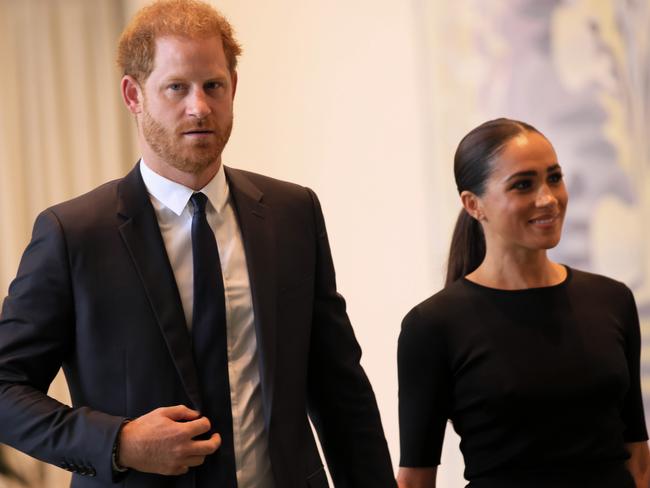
(440,308)
(596,284)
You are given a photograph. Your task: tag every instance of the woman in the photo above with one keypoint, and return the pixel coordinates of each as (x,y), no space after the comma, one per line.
(536,364)
(6,473)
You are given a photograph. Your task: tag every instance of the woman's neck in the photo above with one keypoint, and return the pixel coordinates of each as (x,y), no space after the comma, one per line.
(516,271)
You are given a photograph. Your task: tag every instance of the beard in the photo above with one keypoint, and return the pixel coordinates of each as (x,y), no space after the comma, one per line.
(186,155)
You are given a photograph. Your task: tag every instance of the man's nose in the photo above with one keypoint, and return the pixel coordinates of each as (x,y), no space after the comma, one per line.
(197,105)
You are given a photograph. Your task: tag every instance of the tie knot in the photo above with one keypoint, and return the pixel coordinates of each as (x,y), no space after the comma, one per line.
(199,200)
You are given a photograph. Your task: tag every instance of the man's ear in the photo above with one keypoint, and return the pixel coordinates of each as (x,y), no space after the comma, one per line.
(233,78)
(132,94)
(472,204)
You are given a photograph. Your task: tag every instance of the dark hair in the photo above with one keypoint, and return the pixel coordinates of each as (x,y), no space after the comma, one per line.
(472,168)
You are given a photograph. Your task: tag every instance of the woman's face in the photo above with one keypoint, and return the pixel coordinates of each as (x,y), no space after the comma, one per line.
(525,199)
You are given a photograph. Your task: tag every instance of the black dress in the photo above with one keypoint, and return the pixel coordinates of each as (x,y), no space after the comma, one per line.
(542,384)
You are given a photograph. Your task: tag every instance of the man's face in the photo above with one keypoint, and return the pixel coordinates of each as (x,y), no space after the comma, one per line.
(187,114)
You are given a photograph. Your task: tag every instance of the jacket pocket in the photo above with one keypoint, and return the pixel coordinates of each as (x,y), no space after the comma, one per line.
(318,479)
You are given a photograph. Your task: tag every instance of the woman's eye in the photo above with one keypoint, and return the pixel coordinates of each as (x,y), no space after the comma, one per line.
(175,87)
(522,185)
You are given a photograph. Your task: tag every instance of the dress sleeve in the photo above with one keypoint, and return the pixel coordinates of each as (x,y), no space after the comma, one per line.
(424,390)
(632,412)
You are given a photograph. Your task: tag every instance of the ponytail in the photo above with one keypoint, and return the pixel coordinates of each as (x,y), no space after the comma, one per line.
(472,169)
(467,249)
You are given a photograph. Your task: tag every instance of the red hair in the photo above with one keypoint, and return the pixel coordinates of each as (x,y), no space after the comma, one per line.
(188,18)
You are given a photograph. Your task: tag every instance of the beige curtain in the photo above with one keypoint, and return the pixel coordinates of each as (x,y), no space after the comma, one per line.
(63,129)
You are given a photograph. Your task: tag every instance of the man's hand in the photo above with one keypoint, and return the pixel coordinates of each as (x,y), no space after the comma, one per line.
(162,442)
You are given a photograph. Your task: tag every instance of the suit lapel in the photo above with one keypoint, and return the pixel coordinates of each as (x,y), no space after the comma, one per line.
(256,224)
(142,237)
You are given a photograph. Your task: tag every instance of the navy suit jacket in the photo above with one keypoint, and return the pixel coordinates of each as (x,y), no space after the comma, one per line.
(95,294)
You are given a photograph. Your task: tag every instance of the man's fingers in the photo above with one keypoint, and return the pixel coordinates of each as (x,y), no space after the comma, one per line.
(198,426)
(176,470)
(179,412)
(216,440)
(200,449)
(195,461)
(163,441)
(207,446)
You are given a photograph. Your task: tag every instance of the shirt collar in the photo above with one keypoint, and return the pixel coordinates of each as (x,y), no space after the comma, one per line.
(175,196)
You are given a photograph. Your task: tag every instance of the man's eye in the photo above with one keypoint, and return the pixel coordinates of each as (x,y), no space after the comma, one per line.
(175,86)
(555,177)
(213,85)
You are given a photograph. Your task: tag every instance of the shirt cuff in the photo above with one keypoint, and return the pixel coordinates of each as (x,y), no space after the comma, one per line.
(117,469)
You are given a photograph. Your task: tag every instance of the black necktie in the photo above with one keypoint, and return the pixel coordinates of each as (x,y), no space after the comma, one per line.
(211,349)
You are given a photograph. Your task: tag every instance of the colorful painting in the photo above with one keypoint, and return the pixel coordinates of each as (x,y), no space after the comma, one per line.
(580,72)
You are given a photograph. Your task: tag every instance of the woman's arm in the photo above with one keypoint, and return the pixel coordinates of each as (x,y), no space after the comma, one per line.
(424,398)
(638,464)
(417,477)
(6,472)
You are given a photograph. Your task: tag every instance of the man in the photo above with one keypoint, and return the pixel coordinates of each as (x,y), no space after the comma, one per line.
(192,306)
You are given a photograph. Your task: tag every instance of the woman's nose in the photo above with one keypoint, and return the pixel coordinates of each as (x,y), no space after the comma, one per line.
(545,197)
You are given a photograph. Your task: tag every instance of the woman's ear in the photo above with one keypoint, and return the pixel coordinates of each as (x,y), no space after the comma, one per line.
(472,204)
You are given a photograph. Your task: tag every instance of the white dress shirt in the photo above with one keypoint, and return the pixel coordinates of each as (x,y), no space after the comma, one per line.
(171,202)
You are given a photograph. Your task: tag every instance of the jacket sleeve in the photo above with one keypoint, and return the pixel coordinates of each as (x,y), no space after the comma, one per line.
(342,405)
(37,335)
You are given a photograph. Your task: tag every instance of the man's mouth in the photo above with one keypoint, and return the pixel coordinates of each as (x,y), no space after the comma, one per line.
(198,132)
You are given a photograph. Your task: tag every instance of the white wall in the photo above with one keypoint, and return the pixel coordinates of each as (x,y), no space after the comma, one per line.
(331,96)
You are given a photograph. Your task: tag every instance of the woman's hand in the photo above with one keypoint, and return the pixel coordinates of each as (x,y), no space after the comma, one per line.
(417,477)
(639,463)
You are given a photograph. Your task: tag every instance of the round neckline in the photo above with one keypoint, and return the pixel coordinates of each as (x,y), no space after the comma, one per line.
(561,284)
